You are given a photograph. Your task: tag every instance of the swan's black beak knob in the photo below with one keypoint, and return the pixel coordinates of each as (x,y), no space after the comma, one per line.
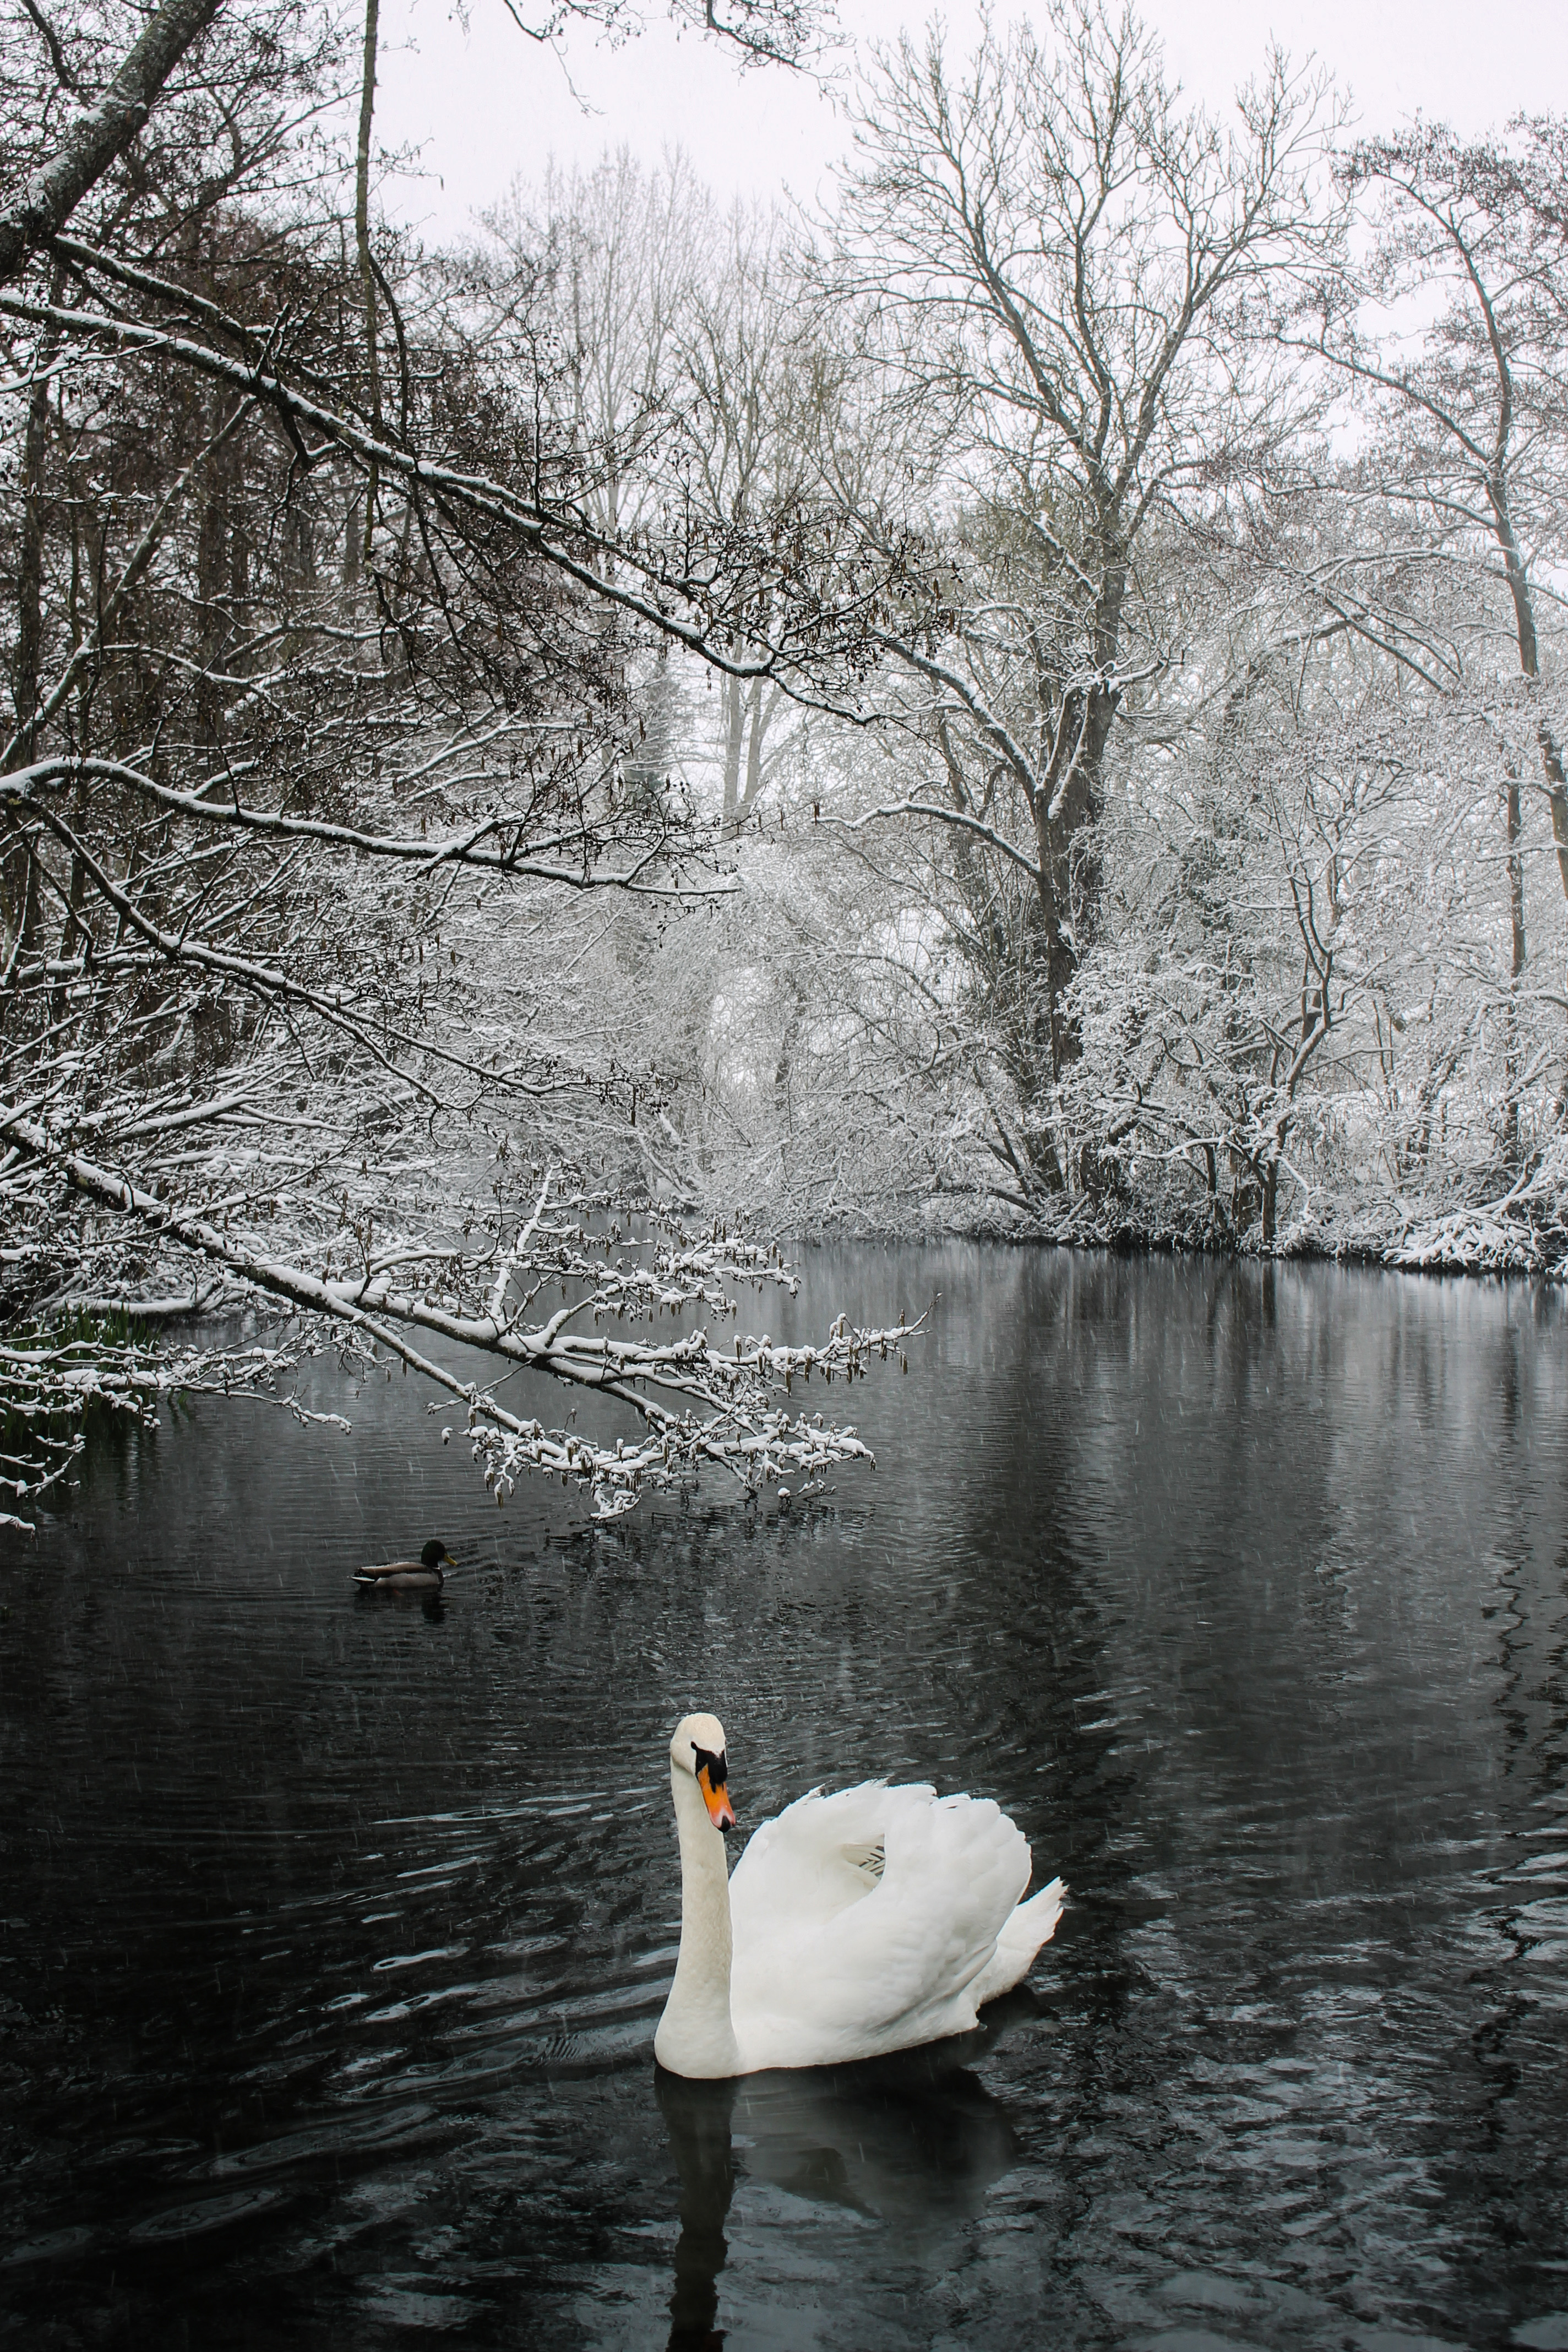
(711,1774)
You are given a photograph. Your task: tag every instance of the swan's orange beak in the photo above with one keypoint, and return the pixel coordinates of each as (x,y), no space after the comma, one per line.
(720,1811)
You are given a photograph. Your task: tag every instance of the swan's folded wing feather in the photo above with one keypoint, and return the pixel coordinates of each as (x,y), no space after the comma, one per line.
(813,1860)
(895,1967)
(1024,1937)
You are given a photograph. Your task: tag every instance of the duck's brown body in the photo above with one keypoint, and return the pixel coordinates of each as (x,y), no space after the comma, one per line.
(426,1574)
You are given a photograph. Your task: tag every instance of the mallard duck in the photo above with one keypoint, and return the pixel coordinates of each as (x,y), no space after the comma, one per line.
(426,1574)
(854,1924)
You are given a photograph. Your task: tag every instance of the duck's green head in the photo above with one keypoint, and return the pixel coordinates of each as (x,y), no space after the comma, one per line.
(435,1555)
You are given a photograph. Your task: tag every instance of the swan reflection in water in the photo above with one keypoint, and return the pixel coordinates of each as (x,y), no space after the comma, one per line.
(912,2142)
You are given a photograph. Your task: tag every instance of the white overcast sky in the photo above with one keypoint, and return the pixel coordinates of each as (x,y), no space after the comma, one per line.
(486,104)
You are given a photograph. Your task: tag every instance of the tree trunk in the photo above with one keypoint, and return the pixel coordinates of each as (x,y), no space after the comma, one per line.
(1529,667)
(41,207)
(747,721)
(1069,797)
(1068,856)
(214,570)
(1515,967)
(734,730)
(30,552)
(366,259)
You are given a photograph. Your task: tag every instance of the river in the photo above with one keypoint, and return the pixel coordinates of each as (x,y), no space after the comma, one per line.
(336,1926)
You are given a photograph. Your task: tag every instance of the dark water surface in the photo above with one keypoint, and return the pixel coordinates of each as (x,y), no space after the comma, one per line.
(335,1928)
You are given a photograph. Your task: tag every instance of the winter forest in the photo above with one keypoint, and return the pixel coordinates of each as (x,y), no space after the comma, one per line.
(1023,699)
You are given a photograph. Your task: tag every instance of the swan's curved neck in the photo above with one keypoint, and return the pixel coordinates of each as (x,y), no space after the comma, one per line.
(695,2037)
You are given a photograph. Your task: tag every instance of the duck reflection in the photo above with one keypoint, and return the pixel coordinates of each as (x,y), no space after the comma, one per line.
(911,2142)
(430,1605)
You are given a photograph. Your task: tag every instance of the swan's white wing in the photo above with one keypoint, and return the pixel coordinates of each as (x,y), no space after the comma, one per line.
(819,1976)
(1023,1936)
(813,1860)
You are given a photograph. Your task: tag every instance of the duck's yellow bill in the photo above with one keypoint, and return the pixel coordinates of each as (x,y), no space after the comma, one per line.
(720,1811)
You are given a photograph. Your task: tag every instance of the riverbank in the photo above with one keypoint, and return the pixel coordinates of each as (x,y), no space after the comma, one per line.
(1522,1233)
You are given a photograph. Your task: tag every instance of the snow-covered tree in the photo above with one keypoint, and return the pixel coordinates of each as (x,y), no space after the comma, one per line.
(320,653)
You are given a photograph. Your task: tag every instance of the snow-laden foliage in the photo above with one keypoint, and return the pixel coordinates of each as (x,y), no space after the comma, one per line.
(1212,868)
(1036,701)
(325,650)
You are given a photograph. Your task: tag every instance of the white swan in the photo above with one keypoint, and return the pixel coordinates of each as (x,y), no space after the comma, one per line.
(853,1925)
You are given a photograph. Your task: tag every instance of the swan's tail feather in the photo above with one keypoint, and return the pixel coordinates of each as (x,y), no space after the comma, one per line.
(1024,1935)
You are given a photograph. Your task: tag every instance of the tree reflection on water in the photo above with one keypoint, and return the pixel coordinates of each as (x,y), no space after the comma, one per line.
(337,1937)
